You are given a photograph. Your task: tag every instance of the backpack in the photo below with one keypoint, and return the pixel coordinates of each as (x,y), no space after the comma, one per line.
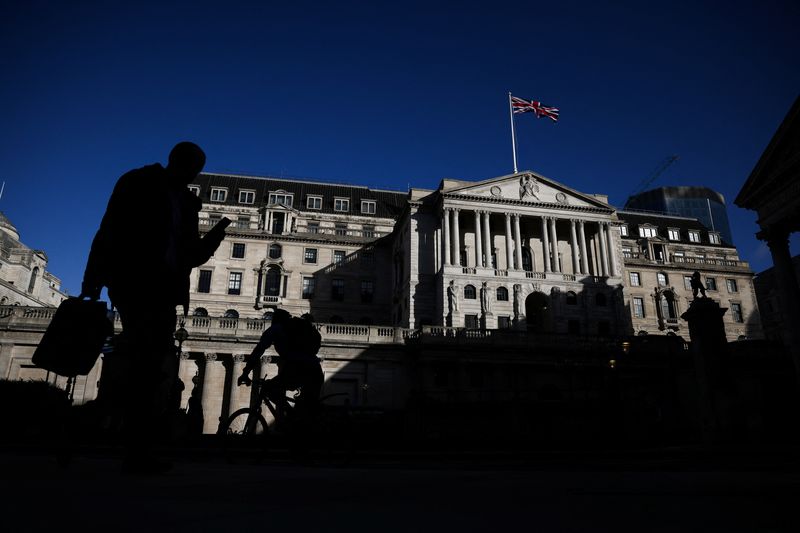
(305,335)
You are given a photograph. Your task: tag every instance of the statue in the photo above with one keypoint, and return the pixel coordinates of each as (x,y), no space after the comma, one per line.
(517,301)
(485,298)
(452,297)
(528,186)
(697,284)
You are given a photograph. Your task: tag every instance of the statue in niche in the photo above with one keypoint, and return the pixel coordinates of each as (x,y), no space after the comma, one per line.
(528,187)
(485,298)
(452,297)
(518,302)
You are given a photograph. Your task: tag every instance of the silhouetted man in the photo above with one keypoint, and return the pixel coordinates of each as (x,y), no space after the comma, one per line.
(144,251)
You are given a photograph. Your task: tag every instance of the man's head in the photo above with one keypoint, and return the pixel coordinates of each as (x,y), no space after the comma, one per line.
(280,316)
(186,161)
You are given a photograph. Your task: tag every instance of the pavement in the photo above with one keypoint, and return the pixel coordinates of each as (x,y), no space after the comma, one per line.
(408,490)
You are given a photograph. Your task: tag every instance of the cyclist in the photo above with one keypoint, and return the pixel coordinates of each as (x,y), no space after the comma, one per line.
(297,341)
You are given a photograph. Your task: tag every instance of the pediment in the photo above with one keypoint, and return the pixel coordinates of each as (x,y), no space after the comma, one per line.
(525,187)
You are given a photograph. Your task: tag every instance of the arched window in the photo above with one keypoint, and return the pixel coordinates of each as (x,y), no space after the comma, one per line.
(502,294)
(667,304)
(469,292)
(273,282)
(200,311)
(336,319)
(600,299)
(572,298)
(268,315)
(231,313)
(527,259)
(275,251)
(32,283)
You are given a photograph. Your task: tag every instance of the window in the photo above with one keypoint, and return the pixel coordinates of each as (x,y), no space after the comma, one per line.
(626,252)
(711,284)
(309,284)
(341,204)
(367,291)
(469,292)
(243,222)
(367,259)
(194,189)
(572,298)
(32,283)
(310,256)
(340,229)
(204,284)
(338,257)
(638,307)
(736,312)
(313,227)
(275,251)
(235,283)
(231,313)
(471,322)
(623,230)
(694,236)
(503,322)
(367,207)
(281,197)
(314,202)
(663,281)
(687,282)
(369,231)
(635,280)
(337,289)
(201,312)
(502,294)
(247,197)
(237,250)
(219,195)
(713,238)
(674,235)
(646,231)
(732,285)
(213,219)
(600,299)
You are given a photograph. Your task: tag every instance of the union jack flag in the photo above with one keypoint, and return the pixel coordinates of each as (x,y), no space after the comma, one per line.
(520,105)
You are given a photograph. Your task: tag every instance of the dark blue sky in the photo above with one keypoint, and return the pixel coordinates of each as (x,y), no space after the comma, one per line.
(384,94)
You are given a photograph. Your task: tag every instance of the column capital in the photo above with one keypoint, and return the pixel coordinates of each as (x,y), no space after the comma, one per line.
(266,359)
(210,357)
(184,356)
(239,357)
(773,236)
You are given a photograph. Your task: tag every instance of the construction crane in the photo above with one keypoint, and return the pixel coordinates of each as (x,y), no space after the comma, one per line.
(655,174)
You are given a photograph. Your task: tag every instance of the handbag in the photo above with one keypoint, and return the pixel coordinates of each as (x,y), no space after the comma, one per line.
(74,339)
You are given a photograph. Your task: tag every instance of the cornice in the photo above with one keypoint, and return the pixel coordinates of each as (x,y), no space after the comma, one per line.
(545,205)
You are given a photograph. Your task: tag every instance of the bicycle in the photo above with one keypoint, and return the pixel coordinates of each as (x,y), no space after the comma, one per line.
(322,432)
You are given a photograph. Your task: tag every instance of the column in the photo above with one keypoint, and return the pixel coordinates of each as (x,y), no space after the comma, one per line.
(787,289)
(517,242)
(612,261)
(487,240)
(509,247)
(478,242)
(239,395)
(446,231)
(554,243)
(576,268)
(603,252)
(456,239)
(186,372)
(263,374)
(584,255)
(546,240)
(211,394)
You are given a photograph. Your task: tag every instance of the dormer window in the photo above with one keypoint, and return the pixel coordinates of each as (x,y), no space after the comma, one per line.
(694,236)
(194,189)
(218,195)
(367,207)
(713,238)
(314,202)
(674,234)
(281,198)
(647,231)
(341,204)
(247,197)
(623,230)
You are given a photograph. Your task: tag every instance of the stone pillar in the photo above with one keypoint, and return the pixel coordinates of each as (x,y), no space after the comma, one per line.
(186,371)
(239,395)
(554,243)
(456,239)
(518,242)
(478,241)
(603,254)
(446,232)
(509,246)
(211,393)
(576,269)
(787,289)
(487,240)
(584,255)
(546,246)
(612,261)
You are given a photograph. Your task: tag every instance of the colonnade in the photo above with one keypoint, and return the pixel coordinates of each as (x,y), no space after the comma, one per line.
(606,261)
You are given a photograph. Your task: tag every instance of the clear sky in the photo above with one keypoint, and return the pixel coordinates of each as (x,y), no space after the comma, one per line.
(384,94)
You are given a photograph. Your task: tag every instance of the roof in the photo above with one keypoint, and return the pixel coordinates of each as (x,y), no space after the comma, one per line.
(665,222)
(388,204)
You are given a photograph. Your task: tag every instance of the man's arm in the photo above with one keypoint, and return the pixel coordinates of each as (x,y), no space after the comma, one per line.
(252,359)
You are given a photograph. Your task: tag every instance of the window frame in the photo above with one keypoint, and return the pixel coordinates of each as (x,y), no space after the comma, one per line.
(316,199)
(238,246)
(694,236)
(200,281)
(308,287)
(638,311)
(623,230)
(280,192)
(335,253)
(673,234)
(638,282)
(247,192)
(339,202)
(232,280)
(714,237)
(194,189)
(374,205)
(474,292)
(306,252)
(731,285)
(648,231)
(273,246)
(662,276)
(713,281)
(501,290)
(737,313)
(218,191)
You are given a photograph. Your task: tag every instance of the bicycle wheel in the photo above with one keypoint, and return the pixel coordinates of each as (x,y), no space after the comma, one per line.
(244,436)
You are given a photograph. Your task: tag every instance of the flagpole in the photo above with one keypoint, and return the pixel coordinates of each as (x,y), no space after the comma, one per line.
(513,135)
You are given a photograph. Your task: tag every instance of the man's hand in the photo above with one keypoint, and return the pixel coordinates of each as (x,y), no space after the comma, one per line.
(244,379)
